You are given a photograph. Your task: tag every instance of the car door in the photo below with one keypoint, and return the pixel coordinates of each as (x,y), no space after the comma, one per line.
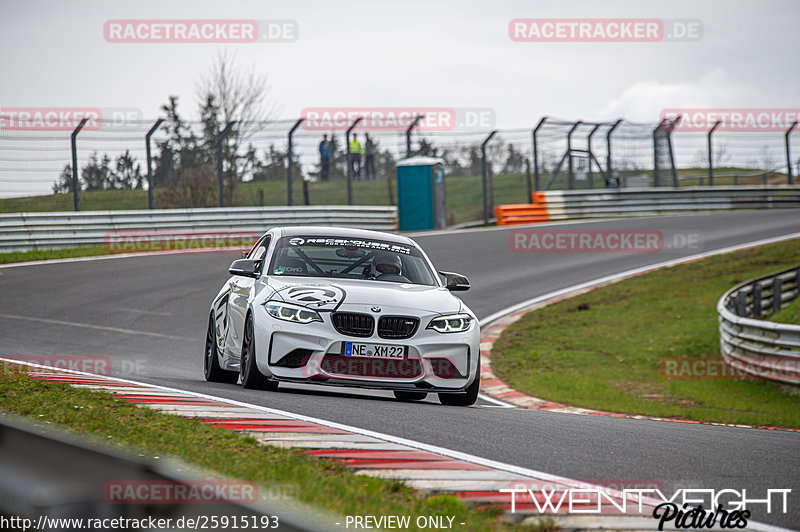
(242,290)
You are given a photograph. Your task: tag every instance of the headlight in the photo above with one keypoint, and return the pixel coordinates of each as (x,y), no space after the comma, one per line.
(451,323)
(293,313)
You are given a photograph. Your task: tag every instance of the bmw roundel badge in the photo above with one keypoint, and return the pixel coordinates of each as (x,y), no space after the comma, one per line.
(376,309)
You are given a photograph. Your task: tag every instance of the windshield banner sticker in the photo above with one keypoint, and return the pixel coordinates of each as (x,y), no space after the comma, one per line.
(349,242)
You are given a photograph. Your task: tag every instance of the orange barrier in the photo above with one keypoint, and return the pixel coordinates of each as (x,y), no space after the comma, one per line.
(526,213)
(539,198)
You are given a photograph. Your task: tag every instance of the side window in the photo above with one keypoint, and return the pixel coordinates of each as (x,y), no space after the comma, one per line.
(260,252)
(255,248)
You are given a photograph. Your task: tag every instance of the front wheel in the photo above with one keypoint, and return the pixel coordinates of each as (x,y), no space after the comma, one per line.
(463,399)
(211,368)
(252,379)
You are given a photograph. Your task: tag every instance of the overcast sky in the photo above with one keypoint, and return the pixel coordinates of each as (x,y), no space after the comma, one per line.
(411,53)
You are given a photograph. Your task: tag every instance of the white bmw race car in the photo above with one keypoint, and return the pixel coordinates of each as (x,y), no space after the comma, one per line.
(344,307)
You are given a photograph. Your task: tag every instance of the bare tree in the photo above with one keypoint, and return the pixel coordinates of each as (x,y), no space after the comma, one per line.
(766,159)
(721,156)
(239,95)
(64,182)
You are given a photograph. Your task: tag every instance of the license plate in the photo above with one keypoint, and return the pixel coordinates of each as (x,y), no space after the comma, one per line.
(353,349)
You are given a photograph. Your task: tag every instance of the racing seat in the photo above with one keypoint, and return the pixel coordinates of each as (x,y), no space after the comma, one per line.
(290,266)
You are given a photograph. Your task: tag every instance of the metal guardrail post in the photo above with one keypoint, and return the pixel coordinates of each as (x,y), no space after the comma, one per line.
(790,179)
(777,294)
(528,180)
(536,151)
(290,154)
(484,175)
(408,133)
(672,127)
(221,176)
(609,159)
(656,173)
(757,300)
(349,162)
(740,304)
(711,154)
(570,171)
(76,187)
(150,188)
(591,155)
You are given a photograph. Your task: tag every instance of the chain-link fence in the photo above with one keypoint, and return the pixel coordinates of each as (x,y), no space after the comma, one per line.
(357,165)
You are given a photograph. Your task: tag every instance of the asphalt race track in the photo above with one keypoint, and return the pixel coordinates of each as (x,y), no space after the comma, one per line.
(148,316)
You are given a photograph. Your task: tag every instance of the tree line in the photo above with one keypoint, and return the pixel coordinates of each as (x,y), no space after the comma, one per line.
(185,156)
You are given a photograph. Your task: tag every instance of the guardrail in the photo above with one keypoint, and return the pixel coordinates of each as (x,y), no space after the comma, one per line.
(761,348)
(49,476)
(26,231)
(582,204)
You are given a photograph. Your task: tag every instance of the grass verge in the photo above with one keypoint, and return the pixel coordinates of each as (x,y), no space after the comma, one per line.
(609,349)
(321,483)
(788,314)
(464,196)
(44,254)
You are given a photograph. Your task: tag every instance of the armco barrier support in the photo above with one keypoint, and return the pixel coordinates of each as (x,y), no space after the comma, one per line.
(49,475)
(764,349)
(26,231)
(585,204)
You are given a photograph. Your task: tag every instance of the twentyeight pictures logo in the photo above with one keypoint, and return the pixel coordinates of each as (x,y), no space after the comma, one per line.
(604,30)
(200,31)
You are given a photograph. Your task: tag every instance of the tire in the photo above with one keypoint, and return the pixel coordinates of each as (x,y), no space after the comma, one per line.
(252,379)
(211,369)
(463,399)
(410,395)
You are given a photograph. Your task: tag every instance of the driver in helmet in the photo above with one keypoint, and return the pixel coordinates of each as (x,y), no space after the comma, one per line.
(386,263)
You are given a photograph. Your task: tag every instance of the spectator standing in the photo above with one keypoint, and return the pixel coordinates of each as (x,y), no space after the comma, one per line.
(355,156)
(369,157)
(325,156)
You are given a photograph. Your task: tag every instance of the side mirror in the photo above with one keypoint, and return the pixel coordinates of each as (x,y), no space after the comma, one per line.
(455,282)
(243,267)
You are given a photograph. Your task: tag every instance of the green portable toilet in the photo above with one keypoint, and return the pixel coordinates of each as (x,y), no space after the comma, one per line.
(420,193)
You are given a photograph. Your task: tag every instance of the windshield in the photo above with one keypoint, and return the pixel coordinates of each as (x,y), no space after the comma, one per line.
(346,258)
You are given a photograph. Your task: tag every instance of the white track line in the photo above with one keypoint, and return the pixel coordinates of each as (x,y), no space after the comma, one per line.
(90,326)
(119,256)
(457,455)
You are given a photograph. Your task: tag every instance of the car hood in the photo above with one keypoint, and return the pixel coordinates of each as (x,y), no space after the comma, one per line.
(321,295)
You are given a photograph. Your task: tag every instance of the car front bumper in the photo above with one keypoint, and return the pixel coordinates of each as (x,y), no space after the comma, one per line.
(314,353)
